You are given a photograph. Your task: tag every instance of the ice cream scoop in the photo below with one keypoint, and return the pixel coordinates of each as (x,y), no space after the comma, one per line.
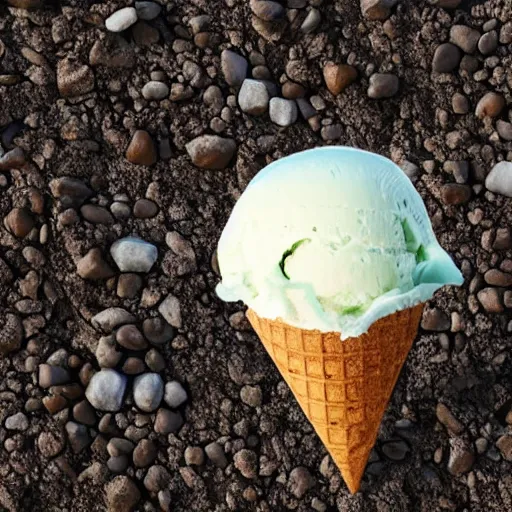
(331,239)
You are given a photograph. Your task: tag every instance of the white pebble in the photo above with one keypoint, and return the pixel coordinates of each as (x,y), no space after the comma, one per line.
(121,20)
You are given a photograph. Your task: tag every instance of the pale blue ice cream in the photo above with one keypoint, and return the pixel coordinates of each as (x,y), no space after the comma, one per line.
(331,239)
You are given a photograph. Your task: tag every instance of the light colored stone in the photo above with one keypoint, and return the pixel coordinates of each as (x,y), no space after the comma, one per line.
(155,90)
(253,97)
(283,112)
(106,390)
(170,309)
(499,180)
(148,390)
(133,254)
(121,19)
(110,318)
(175,394)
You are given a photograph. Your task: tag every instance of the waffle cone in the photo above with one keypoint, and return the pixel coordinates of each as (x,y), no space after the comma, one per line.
(343,387)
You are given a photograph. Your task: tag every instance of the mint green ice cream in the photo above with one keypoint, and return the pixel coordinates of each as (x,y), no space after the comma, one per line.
(331,239)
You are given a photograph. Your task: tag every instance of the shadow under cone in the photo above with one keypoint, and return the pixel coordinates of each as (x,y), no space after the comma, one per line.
(343,387)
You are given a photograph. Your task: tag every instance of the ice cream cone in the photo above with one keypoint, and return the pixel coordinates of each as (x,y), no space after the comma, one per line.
(343,387)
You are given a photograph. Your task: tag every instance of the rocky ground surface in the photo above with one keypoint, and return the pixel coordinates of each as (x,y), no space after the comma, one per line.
(127,132)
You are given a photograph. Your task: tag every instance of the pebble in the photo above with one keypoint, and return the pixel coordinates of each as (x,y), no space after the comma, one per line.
(461,457)
(338,77)
(395,450)
(311,22)
(154,360)
(504,444)
(293,91)
(154,90)
(73,78)
(490,298)
(170,309)
(383,85)
(267,10)
(118,464)
(246,462)
(300,481)
(481,445)
(157,330)
(466,38)
(167,422)
(142,149)
(506,33)
(499,180)
(84,413)
(435,320)
(133,254)
(106,390)
(459,169)
(175,394)
(19,222)
(455,193)
(11,333)
(17,421)
(156,479)
(491,104)
(144,454)
(52,375)
(253,97)
(78,436)
(148,390)
(133,366)
(128,285)
(503,239)
(129,337)
(147,10)
(194,455)
(110,318)
(93,266)
(377,9)
(13,159)
(118,446)
(488,42)
(121,19)
(251,395)
(113,52)
(234,67)
(50,444)
(446,58)
(215,453)
(496,277)
(70,191)
(96,214)
(331,132)
(211,151)
(504,129)
(283,112)
(145,209)
(445,416)
(121,494)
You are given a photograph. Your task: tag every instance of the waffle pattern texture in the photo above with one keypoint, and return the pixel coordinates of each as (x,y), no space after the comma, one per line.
(343,387)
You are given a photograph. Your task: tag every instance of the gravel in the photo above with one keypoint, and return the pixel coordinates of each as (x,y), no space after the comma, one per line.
(211,151)
(175,395)
(121,19)
(283,112)
(383,85)
(499,179)
(253,97)
(234,67)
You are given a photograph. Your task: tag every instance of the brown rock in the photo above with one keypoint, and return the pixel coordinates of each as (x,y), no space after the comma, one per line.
(19,222)
(50,444)
(490,105)
(445,416)
(133,366)
(122,495)
(144,34)
(113,52)
(13,159)
(128,286)
(435,320)
(54,404)
(377,9)
(461,457)
(11,333)
(96,214)
(496,277)
(73,78)
(446,58)
(491,300)
(503,239)
(93,266)
(141,150)
(454,193)
(267,9)
(84,413)
(383,85)
(145,209)
(504,443)
(156,479)
(144,454)
(466,38)
(338,77)
(292,90)
(128,336)
(211,151)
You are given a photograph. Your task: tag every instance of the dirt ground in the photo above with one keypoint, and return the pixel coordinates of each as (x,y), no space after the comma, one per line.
(89,154)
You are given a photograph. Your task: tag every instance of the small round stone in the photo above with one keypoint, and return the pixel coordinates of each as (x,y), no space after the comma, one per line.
(491,104)
(460,103)
(17,421)
(148,390)
(194,455)
(253,97)
(157,330)
(144,454)
(129,337)
(19,222)
(234,67)
(466,38)
(216,454)
(338,77)
(147,10)
(84,413)
(283,112)
(455,193)
(156,479)
(133,366)
(251,395)
(133,254)
(300,481)
(118,464)
(142,149)
(175,394)
(211,151)
(155,90)
(118,446)
(488,42)
(106,390)
(499,180)
(145,209)
(121,19)
(128,285)
(246,462)
(154,361)
(50,444)
(167,422)
(383,85)
(122,494)
(446,58)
